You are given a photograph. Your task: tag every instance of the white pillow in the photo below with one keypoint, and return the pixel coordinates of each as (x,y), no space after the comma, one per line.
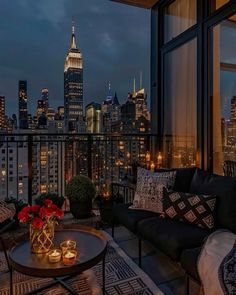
(149,189)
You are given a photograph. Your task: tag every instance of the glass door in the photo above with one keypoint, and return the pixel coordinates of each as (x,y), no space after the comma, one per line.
(223,78)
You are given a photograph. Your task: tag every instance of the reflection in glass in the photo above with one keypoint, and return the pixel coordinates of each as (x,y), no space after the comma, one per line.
(224,96)
(180,106)
(216,4)
(179,16)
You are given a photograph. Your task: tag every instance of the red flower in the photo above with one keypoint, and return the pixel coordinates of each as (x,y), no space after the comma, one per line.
(46,212)
(23,215)
(47,202)
(35,209)
(59,213)
(54,207)
(37,223)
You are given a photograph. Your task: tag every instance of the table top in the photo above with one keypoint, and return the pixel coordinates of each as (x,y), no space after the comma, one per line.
(91,247)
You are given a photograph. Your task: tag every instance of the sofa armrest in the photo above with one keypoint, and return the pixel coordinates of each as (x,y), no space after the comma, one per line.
(122,191)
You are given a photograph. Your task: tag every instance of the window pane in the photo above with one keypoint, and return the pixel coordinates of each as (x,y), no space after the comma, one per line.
(216,4)
(180,106)
(179,16)
(224,96)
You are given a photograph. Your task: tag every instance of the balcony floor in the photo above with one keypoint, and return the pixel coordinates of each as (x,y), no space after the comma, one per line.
(168,276)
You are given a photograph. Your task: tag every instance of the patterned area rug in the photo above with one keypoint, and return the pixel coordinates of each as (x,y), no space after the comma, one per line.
(123,276)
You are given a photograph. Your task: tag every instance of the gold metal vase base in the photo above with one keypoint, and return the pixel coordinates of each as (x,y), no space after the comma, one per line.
(41,240)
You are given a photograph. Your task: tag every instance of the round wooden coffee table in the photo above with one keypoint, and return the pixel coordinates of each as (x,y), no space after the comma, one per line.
(91,247)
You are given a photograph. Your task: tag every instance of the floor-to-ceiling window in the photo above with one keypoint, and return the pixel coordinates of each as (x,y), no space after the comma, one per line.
(180,104)
(179,63)
(224,94)
(194,80)
(178,17)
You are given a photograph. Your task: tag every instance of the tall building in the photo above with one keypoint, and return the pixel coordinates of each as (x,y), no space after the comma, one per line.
(45,99)
(110,111)
(23,111)
(93,118)
(43,104)
(73,87)
(233,109)
(2,113)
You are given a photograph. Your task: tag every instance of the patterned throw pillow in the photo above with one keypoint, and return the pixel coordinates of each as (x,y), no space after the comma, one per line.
(149,189)
(191,208)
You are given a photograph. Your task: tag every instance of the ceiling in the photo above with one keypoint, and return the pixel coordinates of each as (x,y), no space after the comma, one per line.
(140,3)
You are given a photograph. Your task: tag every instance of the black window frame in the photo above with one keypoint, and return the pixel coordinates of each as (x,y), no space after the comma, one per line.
(206,19)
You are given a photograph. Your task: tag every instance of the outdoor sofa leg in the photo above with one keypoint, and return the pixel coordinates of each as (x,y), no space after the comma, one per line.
(139,252)
(186,284)
(113,228)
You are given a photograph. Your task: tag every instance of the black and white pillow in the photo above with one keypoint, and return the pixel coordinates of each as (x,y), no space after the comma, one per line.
(149,189)
(191,208)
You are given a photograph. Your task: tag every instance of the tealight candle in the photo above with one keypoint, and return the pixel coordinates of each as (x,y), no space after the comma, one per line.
(54,255)
(152,166)
(68,245)
(69,257)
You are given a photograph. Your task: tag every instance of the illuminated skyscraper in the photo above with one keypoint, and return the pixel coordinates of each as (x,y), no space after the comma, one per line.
(23,111)
(93,118)
(2,113)
(45,99)
(233,109)
(73,87)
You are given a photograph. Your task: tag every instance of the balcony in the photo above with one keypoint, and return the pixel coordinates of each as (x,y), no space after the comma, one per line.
(45,163)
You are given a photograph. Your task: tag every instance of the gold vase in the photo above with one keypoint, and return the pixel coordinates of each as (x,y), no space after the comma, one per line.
(41,240)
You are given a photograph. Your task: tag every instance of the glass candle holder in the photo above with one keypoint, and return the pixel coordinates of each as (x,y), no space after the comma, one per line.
(54,255)
(68,245)
(69,257)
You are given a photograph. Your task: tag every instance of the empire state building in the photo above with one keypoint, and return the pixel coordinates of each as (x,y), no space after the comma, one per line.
(73,86)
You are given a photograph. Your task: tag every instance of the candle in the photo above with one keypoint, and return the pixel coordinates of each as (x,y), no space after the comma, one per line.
(54,255)
(152,166)
(69,257)
(68,245)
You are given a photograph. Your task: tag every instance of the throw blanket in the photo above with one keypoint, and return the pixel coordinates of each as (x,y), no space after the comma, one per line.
(217,264)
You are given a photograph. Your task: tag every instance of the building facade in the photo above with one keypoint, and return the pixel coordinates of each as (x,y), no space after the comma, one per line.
(23,109)
(73,87)
(2,113)
(93,116)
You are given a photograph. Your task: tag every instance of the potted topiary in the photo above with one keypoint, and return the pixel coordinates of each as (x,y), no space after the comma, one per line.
(80,190)
(57,200)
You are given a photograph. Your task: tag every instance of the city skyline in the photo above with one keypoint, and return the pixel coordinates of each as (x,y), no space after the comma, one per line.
(101,68)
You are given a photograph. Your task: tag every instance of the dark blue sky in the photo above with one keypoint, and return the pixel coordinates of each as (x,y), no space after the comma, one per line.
(113,38)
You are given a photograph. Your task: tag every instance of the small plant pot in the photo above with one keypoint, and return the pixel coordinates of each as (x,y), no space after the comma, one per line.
(80,210)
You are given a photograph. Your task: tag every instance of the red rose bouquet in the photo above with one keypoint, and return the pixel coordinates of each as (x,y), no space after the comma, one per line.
(41,220)
(39,216)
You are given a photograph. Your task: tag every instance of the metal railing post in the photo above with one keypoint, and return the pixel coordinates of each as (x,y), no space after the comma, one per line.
(30,168)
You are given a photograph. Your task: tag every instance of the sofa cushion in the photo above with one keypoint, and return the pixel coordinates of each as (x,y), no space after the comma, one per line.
(171,236)
(188,260)
(192,208)
(182,181)
(149,189)
(183,178)
(225,189)
(129,217)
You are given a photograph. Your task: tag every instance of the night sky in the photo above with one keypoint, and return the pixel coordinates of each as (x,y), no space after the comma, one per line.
(35,35)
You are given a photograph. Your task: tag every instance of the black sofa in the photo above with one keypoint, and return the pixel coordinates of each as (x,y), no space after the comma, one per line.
(182,241)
